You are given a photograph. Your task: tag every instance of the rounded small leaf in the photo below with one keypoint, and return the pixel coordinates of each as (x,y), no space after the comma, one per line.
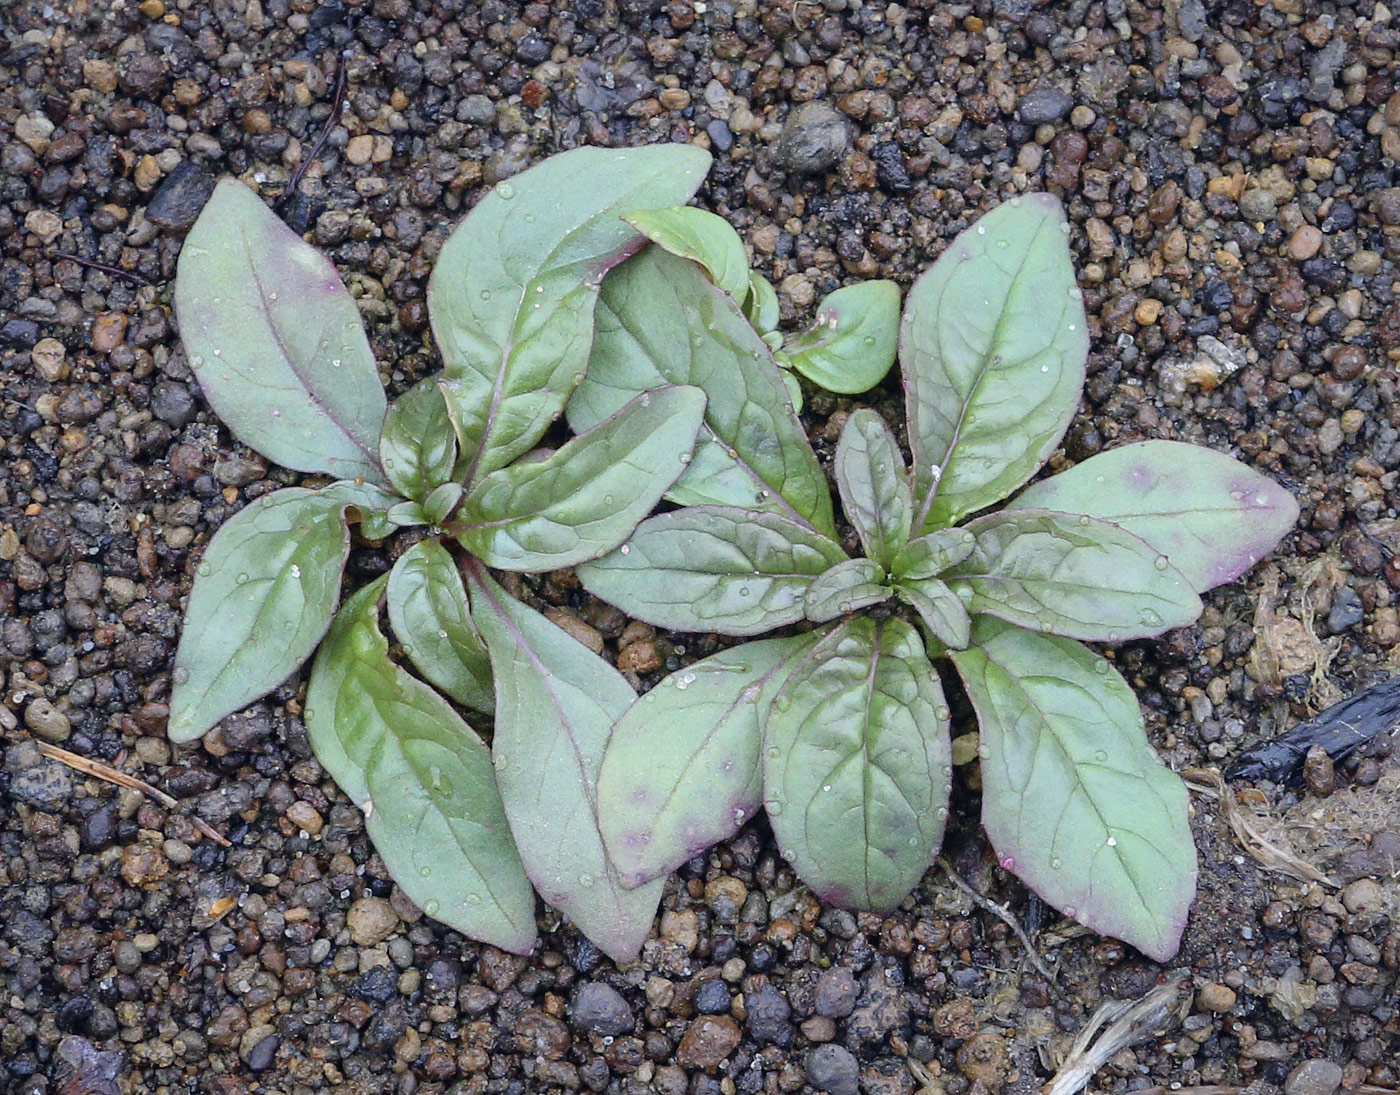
(702,237)
(418,447)
(930,555)
(940,609)
(851,344)
(847,587)
(1073,798)
(761,307)
(276,341)
(1212,516)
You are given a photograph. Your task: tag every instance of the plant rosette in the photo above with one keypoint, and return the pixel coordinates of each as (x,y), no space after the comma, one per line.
(277,345)
(841,731)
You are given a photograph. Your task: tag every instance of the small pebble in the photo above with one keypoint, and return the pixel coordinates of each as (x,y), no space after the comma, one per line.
(600,1009)
(833,1069)
(371,920)
(1215,997)
(1316,1077)
(813,139)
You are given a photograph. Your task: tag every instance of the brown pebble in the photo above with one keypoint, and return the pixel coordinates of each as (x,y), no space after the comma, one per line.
(707,1042)
(1318,772)
(1305,242)
(1348,362)
(108,331)
(1215,997)
(533,94)
(639,657)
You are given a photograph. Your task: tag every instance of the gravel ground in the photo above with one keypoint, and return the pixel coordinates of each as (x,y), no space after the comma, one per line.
(1229,170)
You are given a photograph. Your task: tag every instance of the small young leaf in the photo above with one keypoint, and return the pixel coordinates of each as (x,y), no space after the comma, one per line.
(429,614)
(582,501)
(441,501)
(761,307)
(701,237)
(418,448)
(941,610)
(930,555)
(851,344)
(870,475)
(423,779)
(661,321)
(993,345)
(1073,798)
(713,568)
(511,297)
(682,770)
(1212,516)
(856,765)
(794,390)
(275,340)
(846,587)
(1074,576)
(556,703)
(264,594)
(366,504)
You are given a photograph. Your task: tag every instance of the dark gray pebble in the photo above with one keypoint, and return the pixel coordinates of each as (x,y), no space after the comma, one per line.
(378,986)
(814,138)
(172,403)
(836,992)
(833,1069)
(770,1017)
(600,1009)
(1044,104)
(1347,610)
(713,998)
(261,1056)
(181,196)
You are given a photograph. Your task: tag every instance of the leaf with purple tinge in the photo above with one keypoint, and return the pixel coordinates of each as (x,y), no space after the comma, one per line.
(1074,799)
(275,340)
(682,770)
(556,704)
(1212,516)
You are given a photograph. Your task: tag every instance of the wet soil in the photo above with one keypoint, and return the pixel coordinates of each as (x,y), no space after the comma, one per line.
(1229,171)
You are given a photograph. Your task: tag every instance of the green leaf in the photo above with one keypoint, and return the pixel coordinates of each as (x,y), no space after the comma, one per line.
(682,770)
(264,594)
(701,237)
(794,390)
(713,568)
(1073,798)
(661,321)
(512,295)
(440,503)
(276,341)
(930,555)
(556,703)
(874,486)
(1212,516)
(429,614)
(423,779)
(1074,576)
(851,344)
(761,306)
(993,345)
(848,586)
(418,447)
(857,764)
(940,609)
(366,504)
(586,498)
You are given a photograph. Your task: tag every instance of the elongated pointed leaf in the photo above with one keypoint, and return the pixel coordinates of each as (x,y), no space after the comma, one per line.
(713,568)
(851,344)
(1073,798)
(423,778)
(682,770)
(930,555)
(1071,575)
(418,447)
(1212,516)
(430,616)
(556,703)
(511,297)
(701,237)
(582,501)
(941,610)
(276,341)
(874,487)
(993,345)
(264,594)
(847,587)
(857,764)
(661,321)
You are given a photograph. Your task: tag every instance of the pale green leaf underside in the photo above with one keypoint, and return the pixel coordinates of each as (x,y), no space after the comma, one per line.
(264,594)
(851,344)
(556,703)
(583,500)
(993,344)
(275,340)
(702,237)
(940,609)
(857,764)
(1212,516)
(512,295)
(713,568)
(428,611)
(847,587)
(682,771)
(1074,799)
(661,321)
(423,779)
(418,447)
(1071,575)
(874,486)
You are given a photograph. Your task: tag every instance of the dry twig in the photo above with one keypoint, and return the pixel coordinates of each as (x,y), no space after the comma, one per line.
(1002,914)
(1270,856)
(1128,1023)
